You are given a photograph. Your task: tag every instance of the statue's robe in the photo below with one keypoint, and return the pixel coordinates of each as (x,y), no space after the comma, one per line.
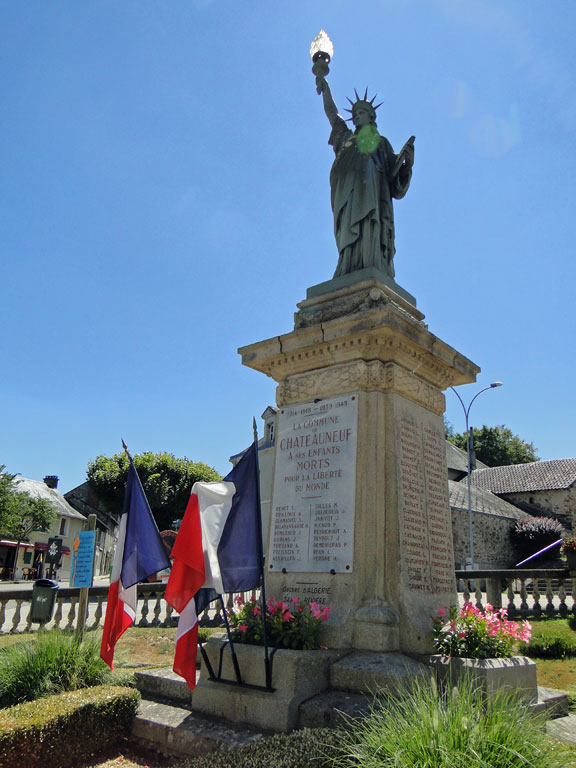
(362,187)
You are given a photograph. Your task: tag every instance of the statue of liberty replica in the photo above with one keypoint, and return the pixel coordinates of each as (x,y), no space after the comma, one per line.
(365,176)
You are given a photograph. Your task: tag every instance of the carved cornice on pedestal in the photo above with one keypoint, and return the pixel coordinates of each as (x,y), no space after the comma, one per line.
(358,326)
(360,375)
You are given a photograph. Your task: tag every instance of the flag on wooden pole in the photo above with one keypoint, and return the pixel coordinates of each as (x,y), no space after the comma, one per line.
(139,554)
(218,549)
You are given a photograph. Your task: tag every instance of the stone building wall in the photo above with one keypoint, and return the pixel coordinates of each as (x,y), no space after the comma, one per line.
(492,547)
(560,504)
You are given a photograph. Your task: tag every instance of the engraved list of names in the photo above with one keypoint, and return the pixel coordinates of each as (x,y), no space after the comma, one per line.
(312,526)
(426,530)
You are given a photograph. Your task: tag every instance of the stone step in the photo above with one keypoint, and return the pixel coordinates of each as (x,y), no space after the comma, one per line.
(163,683)
(173,729)
(552,703)
(563,729)
(332,708)
(368,672)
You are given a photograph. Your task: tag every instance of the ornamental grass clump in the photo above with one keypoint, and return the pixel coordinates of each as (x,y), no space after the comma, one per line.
(453,728)
(52,663)
(471,633)
(292,625)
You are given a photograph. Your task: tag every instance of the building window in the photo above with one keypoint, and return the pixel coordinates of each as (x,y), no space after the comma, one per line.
(63,527)
(270,432)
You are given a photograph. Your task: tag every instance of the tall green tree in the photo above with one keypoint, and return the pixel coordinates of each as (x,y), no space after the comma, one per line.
(497,446)
(167,481)
(21,514)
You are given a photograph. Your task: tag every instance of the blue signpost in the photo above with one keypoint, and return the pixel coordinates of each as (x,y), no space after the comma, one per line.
(83,569)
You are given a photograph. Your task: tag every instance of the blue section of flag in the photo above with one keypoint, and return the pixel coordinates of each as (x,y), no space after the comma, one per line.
(203,598)
(240,548)
(144,552)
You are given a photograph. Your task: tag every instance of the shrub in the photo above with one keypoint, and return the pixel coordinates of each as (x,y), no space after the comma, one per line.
(67,729)
(453,729)
(53,663)
(553,639)
(306,748)
(293,625)
(470,633)
(531,534)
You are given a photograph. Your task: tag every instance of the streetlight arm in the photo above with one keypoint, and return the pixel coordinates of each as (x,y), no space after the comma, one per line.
(469,463)
(474,398)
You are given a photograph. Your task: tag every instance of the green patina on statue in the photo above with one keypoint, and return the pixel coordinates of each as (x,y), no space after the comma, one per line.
(365,176)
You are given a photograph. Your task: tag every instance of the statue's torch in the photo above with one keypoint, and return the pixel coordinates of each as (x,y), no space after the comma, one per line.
(321,52)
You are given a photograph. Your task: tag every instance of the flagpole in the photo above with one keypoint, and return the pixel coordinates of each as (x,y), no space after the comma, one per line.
(232,649)
(267,668)
(126,451)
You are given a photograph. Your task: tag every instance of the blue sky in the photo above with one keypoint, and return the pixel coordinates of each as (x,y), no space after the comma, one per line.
(164,200)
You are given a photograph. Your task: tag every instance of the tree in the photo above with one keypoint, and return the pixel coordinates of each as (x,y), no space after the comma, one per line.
(497,446)
(21,514)
(167,481)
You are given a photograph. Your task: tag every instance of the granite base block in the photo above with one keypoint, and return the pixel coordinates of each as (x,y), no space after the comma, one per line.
(296,676)
(516,674)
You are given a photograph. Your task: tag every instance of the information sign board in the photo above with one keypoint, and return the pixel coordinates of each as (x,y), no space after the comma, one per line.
(83,559)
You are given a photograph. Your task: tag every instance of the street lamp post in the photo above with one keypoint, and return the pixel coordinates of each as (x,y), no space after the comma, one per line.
(494,384)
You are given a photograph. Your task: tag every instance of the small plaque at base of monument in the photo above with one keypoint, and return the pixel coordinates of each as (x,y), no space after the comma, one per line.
(312,526)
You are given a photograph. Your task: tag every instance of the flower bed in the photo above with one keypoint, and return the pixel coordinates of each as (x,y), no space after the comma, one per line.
(292,624)
(471,633)
(478,646)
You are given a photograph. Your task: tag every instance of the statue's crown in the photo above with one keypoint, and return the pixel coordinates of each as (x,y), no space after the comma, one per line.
(365,102)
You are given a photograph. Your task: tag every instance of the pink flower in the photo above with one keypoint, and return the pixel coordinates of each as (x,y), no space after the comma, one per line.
(442,612)
(286,616)
(325,613)
(243,627)
(294,600)
(256,610)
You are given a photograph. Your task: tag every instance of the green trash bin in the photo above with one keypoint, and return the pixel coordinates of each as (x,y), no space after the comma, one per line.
(43,600)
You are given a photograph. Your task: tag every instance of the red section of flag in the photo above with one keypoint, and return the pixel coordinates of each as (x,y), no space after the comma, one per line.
(116,623)
(186,647)
(186,578)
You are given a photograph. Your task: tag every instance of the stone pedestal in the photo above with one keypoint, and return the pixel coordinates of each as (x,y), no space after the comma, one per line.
(366,345)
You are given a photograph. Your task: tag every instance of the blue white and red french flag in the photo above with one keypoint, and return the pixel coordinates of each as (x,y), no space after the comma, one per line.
(218,549)
(139,554)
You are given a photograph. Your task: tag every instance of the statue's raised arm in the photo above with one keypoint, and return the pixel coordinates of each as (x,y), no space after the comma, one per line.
(329,106)
(365,176)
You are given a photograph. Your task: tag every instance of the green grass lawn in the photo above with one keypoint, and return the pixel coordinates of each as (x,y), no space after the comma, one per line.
(553,648)
(553,639)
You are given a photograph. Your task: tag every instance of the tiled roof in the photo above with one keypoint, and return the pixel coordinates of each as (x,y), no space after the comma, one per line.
(458,459)
(536,476)
(39,490)
(482,501)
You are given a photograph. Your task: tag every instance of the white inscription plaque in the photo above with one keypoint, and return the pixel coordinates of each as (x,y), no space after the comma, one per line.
(312,525)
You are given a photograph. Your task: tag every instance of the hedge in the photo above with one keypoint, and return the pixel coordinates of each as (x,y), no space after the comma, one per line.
(67,729)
